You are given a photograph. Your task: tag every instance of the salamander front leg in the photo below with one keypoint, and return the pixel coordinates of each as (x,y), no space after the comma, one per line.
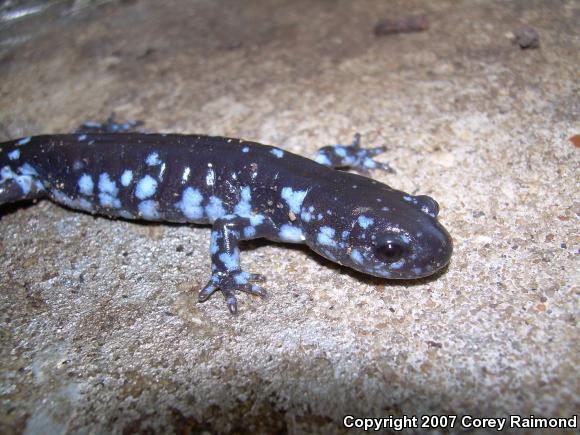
(227,274)
(352,156)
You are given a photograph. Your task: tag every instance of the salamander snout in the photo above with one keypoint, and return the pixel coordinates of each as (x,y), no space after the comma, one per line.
(406,243)
(432,251)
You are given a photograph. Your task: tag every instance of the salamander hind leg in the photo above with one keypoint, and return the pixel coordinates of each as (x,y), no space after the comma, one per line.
(227,274)
(352,156)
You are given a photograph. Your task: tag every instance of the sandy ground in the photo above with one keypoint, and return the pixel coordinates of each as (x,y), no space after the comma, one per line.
(100,329)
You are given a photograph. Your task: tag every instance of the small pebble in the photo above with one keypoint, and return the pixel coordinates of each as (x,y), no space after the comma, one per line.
(527,38)
(408,24)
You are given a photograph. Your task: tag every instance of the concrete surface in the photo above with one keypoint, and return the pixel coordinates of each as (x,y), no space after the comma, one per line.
(100,329)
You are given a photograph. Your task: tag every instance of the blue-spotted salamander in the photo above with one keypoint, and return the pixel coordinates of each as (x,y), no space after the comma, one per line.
(245,190)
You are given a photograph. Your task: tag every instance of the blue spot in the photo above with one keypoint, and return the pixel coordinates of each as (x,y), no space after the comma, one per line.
(349,160)
(153,159)
(241,278)
(289,233)
(417,270)
(214,209)
(256,219)
(294,198)
(126,177)
(148,209)
(328,254)
(306,216)
(108,192)
(245,149)
(209,178)
(243,208)
(82,137)
(398,264)
(190,204)
(6,173)
(39,186)
(278,153)
(356,256)
(405,239)
(86,184)
(246,193)
(340,151)
(185,175)
(26,169)
(14,155)
(25,183)
(365,222)
(60,197)
(325,236)
(146,187)
(106,185)
(249,232)
(319,216)
(24,141)
(345,234)
(107,200)
(230,261)
(322,159)
(213,245)
(369,163)
(85,204)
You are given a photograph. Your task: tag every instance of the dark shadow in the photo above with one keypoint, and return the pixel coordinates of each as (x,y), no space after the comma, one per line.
(13,207)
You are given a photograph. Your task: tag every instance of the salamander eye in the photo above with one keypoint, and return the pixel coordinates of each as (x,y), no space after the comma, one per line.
(389,251)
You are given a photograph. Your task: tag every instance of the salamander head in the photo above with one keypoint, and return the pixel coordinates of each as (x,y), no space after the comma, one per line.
(403,240)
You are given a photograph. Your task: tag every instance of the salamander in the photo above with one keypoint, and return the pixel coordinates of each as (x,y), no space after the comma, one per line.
(244,190)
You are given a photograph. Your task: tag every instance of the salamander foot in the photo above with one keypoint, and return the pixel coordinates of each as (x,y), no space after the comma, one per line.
(231,282)
(352,156)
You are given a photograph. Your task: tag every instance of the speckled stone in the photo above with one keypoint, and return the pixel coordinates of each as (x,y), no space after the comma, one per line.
(100,329)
